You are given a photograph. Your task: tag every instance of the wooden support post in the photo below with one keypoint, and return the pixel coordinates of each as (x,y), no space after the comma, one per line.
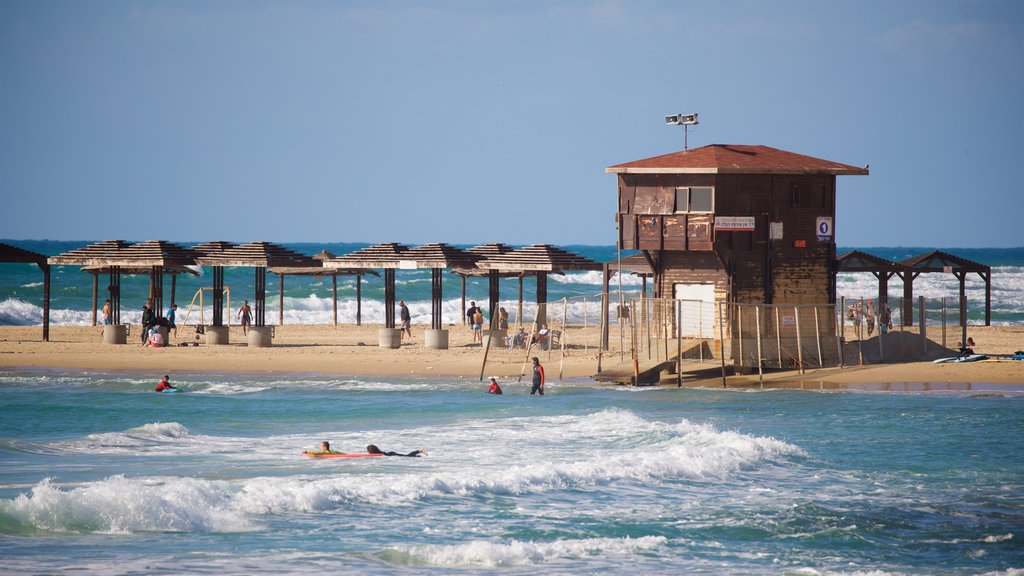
(860,333)
(359,300)
(679,342)
(462,310)
(95,289)
(389,297)
(944,322)
(721,340)
(987,277)
(334,296)
(817,337)
(757,327)
(923,319)
(605,321)
(963,306)
(46,301)
(799,342)
(840,336)
(778,334)
(280,301)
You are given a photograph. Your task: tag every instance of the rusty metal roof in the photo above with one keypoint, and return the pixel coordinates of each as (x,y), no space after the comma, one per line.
(735,159)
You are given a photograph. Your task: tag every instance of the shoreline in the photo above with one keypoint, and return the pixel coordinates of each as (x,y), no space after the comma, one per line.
(352,351)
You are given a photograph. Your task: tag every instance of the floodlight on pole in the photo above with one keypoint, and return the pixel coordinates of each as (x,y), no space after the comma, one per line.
(684,120)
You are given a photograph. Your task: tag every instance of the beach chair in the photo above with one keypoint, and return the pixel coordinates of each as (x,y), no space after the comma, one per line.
(554,339)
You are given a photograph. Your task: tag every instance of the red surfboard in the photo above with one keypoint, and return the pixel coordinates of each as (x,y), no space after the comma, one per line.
(337,455)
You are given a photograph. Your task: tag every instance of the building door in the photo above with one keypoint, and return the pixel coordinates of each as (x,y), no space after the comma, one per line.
(698,308)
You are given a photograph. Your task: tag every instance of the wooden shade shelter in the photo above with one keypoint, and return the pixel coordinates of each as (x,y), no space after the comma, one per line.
(387,256)
(96,271)
(117,255)
(908,270)
(540,260)
(437,257)
(212,249)
(321,272)
(13,254)
(858,261)
(258,255)
(944,262)
(494,276)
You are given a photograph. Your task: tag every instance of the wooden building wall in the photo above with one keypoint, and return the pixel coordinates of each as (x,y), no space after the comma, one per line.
(755,268)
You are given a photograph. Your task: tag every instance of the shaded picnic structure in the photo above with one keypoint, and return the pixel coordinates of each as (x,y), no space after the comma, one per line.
(908,270)
(320,271)
(538,260)
(259,256)
(13,254)
(117,257)
(392,256)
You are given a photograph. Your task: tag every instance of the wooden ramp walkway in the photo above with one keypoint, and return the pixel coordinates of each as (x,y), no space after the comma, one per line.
(649,371)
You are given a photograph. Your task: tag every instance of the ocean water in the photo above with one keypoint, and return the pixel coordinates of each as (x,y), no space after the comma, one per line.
(308,300)
(100,475)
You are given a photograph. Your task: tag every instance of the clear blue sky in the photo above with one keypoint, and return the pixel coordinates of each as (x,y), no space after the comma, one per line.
(474,121)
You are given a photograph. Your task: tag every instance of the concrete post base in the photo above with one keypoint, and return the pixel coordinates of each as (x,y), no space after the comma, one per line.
(498,335)
(389,338)
(115,334)
(260,336)
(216,335)
(435,339)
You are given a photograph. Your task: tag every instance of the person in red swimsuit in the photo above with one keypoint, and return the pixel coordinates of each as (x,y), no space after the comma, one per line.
(494,389)
(165,384)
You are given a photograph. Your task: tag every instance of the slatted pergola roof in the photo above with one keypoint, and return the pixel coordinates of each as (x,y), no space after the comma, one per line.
(387,255)
(538,258)
(254,254)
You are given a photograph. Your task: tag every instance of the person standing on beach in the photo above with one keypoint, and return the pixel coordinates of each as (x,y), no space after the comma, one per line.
(170,319)
(470,313)
(107,317)
(148,319)
(245,313)
(403,314)
(538,378)
(502,319)
(478,326)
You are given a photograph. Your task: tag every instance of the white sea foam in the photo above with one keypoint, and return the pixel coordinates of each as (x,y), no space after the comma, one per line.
(126,505)
(611,448)
(484,554)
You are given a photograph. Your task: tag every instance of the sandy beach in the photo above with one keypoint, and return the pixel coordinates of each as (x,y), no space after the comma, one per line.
(353,350)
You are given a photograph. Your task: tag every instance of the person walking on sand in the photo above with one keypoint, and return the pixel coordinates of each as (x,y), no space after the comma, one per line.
(538,378)
(403,314)
(245,313)
(170,319)
(107,317)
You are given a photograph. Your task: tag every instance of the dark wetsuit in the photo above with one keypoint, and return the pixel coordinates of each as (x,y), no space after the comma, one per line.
(538,380)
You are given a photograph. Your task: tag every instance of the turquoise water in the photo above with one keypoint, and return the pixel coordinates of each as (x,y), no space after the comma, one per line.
(100,475)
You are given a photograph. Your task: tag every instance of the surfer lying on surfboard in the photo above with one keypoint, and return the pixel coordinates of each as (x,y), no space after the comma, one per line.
(371,450)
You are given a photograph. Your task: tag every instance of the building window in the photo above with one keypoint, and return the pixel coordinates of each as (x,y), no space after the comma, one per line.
(695,199)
